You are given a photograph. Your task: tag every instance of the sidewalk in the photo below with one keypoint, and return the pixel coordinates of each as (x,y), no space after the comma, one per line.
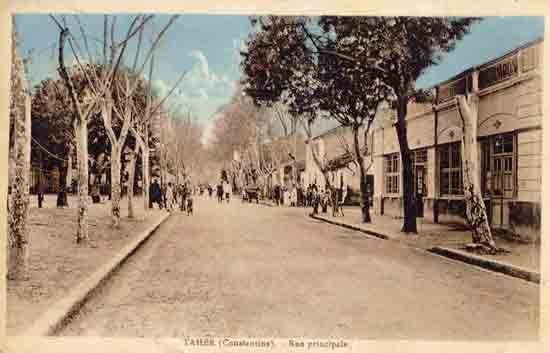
(437,235)
(57,263)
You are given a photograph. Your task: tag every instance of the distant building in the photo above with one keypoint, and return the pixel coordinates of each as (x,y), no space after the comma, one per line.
(332,148)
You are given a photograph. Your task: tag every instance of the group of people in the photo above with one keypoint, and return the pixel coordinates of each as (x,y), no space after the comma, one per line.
(224,189)
(171,196)
(312,196)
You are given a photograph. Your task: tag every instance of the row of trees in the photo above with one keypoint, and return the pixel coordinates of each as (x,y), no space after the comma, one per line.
(347,69)
(99,108)
(252,142)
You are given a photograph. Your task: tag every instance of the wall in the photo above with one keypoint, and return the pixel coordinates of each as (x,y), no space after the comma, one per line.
(512,105)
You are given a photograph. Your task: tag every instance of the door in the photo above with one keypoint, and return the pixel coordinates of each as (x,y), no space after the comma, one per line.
(419,189)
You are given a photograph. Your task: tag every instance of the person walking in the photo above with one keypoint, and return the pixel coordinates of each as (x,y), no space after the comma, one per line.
(276,194)
(96,198)
(169,197)
(40,194)
(183,195)
(227,190)
(154,194)
(293,196)
(220,192)
(325,200)
(315,201)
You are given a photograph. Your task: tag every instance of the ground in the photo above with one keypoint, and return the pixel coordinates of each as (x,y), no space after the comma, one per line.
(247,270)
(57,263)
(526,255)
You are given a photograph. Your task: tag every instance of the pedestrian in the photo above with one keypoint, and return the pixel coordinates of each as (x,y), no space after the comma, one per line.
(169,197)
(293,196)
(189,206)
(325,201)
(96,198)
(315,201)
(220,192)
(227,190)
(62,197)
(276,194)
(40,194)
(154,194)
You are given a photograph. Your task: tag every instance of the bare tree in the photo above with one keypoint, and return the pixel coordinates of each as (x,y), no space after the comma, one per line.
(100,88)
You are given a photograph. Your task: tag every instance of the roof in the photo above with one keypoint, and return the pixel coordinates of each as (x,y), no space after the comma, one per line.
(487,63)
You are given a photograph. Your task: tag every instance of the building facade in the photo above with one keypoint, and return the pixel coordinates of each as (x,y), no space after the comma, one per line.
(509,146)
(332,149)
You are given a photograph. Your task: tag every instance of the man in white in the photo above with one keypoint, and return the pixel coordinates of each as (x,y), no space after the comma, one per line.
(169,198)
(293,196)
(227,190)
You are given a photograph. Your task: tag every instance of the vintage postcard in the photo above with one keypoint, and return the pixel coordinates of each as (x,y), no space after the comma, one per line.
(274,179)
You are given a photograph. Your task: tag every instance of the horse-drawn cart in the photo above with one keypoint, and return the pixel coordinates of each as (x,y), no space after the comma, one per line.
(251,193)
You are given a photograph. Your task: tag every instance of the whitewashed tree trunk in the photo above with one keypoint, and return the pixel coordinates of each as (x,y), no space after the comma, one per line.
(365,197)
(115,184)
(476,213)
(146,176)
(131,177)
(18,232)
(81,133)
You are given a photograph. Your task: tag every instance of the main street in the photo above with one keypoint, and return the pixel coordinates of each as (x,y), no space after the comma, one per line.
(246,270)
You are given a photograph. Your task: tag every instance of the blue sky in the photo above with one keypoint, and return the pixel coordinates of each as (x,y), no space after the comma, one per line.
(207,47)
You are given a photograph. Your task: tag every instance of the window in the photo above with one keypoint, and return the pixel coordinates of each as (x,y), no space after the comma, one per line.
(498,166)
(392,174)
(450,169)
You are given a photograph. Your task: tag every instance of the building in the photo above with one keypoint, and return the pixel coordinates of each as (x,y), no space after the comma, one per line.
(332,149)
(509,146)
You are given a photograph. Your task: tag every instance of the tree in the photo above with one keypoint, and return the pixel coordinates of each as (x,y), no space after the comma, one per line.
(20,155)
(287,60)
(95,91)
(140,126)
(125,111)
(417,43)
(476,214)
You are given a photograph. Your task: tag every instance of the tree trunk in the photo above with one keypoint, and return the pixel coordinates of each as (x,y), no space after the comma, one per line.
(145,176)
(81,133)
(131,178)
(62,200)
(476,214)
(364,201)
(69,177)
(115,184)
(409,209)
(18,208)
(332,191)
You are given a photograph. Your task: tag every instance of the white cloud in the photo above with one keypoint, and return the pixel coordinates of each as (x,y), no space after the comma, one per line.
(161,87)
(202,90)
(203,62)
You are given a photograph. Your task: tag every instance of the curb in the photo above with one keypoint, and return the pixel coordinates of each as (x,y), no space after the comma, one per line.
(493,265)
(59,313)
(488,264)
(349,226)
